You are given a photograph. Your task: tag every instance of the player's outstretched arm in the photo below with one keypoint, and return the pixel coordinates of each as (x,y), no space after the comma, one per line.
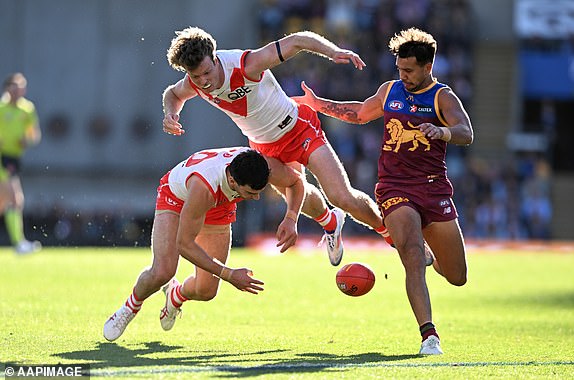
(242,279)
(354,112)
(287,47)
(173,99)
(286,177)
(200,200)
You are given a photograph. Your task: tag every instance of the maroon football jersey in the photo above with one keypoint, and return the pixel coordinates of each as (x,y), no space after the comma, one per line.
(407,156)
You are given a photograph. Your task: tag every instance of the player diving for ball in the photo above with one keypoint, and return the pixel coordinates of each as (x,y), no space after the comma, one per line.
(195,206)
(241,84)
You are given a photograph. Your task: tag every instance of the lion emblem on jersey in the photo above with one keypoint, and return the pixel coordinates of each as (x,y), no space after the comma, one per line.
(400,135)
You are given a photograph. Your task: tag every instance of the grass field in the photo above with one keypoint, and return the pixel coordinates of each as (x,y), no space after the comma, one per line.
(514,318)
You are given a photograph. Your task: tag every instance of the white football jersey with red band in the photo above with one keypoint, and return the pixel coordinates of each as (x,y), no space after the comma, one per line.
(209,165)
(260,107)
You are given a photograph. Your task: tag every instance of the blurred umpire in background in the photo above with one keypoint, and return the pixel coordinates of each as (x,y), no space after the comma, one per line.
(19,129)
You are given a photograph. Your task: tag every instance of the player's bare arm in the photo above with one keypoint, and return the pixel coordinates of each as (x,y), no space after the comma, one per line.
(287,47)
(173,100)
(200,200)
(286,177)
(459,131)
(354,112)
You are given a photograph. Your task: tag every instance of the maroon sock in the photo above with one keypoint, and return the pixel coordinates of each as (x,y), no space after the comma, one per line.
(427,330)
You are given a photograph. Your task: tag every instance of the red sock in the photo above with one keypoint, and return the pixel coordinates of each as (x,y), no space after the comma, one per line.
(177,299)
(327,220)
(133,302)
(382,230)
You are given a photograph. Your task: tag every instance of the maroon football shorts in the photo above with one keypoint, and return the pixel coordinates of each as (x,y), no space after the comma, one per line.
(431,200)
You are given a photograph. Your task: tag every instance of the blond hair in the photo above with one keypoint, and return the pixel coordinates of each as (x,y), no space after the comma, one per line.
(414,42)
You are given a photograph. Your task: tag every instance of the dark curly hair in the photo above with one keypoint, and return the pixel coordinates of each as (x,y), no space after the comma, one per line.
(250,168)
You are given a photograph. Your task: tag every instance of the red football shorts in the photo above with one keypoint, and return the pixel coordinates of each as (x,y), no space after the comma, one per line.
(297,144)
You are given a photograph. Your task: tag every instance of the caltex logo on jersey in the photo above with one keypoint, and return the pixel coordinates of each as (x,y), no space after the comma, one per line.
(395,105)
(418,108)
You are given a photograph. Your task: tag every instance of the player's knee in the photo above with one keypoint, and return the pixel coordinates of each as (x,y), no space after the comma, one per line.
(162,275)
(411,258)
(458,279)
(205,294)
(163,278)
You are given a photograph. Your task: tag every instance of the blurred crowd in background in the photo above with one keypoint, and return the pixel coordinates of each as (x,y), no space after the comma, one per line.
(505,199)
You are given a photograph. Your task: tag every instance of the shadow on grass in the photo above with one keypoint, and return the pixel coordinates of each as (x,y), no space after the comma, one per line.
(561,300)
(311,363)
(110,357)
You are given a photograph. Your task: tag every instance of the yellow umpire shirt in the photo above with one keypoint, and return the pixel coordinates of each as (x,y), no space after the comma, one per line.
(16,122)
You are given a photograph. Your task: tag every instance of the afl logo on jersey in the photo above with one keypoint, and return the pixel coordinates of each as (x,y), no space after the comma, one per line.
(395,105)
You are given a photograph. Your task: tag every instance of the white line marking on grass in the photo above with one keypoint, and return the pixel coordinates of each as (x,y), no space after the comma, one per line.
(304,365)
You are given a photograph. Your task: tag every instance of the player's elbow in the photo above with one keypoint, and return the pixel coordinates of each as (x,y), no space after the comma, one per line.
(186,249)
(458,280)
(469,138)
(356,120)
(298,186)
(360,116)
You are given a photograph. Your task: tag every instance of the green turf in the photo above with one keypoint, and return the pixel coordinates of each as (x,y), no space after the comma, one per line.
(514,318)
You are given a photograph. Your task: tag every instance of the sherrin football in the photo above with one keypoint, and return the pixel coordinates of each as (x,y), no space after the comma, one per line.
(355,279)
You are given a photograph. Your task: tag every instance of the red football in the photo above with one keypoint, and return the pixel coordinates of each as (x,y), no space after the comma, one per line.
(355,279)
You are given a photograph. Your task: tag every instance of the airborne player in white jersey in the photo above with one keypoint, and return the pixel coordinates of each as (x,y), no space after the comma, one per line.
(195,206)
(240,83)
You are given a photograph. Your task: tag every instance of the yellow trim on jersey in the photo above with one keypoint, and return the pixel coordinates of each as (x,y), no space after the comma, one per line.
(437,109)
(391,84)
(424,89)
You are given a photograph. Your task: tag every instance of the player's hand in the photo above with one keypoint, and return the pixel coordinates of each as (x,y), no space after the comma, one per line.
(432,131)
(308,96)
(171,125)
(286,234)
(348,56)
(242,279)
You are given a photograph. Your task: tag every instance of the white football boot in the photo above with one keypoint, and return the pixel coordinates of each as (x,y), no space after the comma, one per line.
(26,246)
(117,323)
(431,346)
(169,312)
(335,240)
